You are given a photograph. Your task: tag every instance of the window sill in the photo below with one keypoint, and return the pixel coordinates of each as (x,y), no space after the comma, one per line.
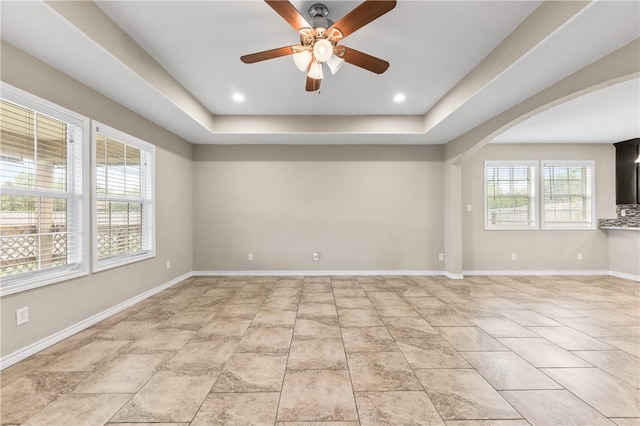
(103,265)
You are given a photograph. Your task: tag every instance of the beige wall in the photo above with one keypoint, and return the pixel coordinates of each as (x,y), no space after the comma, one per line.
(624,253)
(536,249)
(55,307)
(361,207)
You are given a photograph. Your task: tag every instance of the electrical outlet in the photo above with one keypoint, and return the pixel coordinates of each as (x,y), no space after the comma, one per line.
(514,256)
(316,256)
(441,256)
(468,207)
(250,257)
(22,315)
(168,264)
(579,256)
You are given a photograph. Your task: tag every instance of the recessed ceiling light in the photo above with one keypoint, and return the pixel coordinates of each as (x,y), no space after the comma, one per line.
(238,97)
(399,97)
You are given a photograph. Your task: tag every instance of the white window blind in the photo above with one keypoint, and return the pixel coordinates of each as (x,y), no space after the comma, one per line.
(568,195)
(510,195)
(124,204)
(42,203)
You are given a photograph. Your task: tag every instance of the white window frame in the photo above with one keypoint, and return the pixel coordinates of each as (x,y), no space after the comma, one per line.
(77,181)
(573,226)
(148,217)
(534,197)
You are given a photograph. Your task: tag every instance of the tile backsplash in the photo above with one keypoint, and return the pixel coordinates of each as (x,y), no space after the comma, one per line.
(628,217)
(628,211)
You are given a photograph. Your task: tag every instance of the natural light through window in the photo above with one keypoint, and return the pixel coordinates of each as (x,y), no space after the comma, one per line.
(124,206)
(41,163)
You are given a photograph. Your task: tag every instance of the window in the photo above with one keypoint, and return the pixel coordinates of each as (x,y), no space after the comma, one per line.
(568,195)
(510,201)
(42,220)
(124,198)
(567,200)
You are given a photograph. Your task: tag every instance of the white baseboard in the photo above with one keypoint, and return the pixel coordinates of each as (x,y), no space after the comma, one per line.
(533,272)
(453,276)
(544,272)
(624,275)
(51,340)
(410,272)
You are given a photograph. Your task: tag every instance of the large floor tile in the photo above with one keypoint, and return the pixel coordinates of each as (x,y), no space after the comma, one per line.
(128,330)
(461,394)
(125,374)
(470,339)
(542,353)
(570,339)
(252,372)
(625,345)
(24,367)
(274,318)
(266,339)
(602,391)
(521,422)
(87,357)
(554,407)
(224,327)
(192,319)
(359,318)
(353,303)
(350,351)
(401,328)
(381,371)
(621,365)
(317,395)
(317,328)
(167,397)
(202,356)
(161,340)
(502,327)
(81,409)
(368,339)
(306,310)
(431,352)
(317,354)
(506,370)
(529,318)
(402,408)
(29,394)
(248,409)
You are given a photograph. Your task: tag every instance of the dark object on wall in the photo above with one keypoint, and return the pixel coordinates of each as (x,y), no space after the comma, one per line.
(627,172)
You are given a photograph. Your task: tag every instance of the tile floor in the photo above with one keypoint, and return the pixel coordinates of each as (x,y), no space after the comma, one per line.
(347,351)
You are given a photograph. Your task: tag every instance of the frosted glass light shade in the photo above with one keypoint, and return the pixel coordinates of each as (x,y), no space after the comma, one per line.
(302,59)
(335,63)
(322,50)
(315,71)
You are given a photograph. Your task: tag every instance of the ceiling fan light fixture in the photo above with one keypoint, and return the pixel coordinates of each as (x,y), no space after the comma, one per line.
(335,63)
(315,71)
(302,60)
(322,50)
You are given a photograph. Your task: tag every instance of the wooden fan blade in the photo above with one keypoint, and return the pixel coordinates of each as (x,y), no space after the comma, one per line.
(362,15)
(313,84)
(267,54)
(289,13)
(362,60)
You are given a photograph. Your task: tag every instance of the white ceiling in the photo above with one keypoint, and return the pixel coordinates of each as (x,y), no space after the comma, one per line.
(432,47)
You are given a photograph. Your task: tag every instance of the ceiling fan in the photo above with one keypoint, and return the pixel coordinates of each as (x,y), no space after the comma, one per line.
(319,41)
